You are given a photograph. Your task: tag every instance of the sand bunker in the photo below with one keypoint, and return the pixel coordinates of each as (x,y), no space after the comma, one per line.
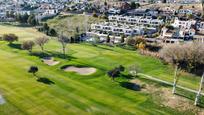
(50,61)
(80,70)
(2,100)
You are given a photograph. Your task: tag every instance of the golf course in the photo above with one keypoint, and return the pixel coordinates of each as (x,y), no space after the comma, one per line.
(69,92)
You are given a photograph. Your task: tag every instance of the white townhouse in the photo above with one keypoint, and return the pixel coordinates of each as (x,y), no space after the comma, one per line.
(22,12)
(135,20)
(50,12)
(177,33)
(185,11)
(114,11)
(111,28)
(183,24)
(200,26)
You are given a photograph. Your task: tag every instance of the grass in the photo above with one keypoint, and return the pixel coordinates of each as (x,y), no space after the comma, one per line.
(69,23)
(71,93)
(24,33)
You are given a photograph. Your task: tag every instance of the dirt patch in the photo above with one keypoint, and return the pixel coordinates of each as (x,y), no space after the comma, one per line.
(80,70)
(164,97)
(2,100)
(50,61)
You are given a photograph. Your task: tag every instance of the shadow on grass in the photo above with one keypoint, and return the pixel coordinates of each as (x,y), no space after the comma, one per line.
(62,56)
(104,48)
(45,80)
(156,83)
(52,54)
(127,76)
(190,96)
(16,46)
(40,54)
(131,86)
(17,25)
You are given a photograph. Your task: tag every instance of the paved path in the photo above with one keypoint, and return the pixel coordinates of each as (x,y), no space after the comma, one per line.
(168,83)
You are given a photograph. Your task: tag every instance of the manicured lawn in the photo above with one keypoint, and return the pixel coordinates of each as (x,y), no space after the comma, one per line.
(72,93)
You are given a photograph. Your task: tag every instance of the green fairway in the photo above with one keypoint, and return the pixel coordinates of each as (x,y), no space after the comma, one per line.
(72,93)
(24,33)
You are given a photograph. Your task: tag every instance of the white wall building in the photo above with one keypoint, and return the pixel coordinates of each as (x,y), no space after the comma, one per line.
(183,24)
(109,28)
(136,20)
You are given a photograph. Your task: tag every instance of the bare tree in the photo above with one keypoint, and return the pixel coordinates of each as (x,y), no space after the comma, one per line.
(28,45)
(10,38)
(41,41)
(172,53)
(64,41)
(189,56)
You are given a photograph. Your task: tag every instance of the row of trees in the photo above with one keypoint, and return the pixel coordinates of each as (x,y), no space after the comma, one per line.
(33,21)
(187,56)
(45,28)
(41,41)
(27,19)
(23,18)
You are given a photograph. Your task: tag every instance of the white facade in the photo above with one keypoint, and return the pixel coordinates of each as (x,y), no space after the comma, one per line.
(136,20)
(114,11)
(185,11)
(200,26)
(111,28)
(183,24)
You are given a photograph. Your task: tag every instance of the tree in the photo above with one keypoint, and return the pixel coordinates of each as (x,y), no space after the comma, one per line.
(41,41)
(122,38)
(18,18)
(94,14)
(64,41)
(134,70)
(45,27)
(28,45)
(130,41)
(77,30)
(7,14)
(105,3)
(95,40)
(141,46)
(11,14)
(10,38)
(180,7)
(121,68)
(116,72)
(139,40)
(24,18)
(188,56)
(52,32)
(133,5)
(108,39)
(32,20)
(33,70)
